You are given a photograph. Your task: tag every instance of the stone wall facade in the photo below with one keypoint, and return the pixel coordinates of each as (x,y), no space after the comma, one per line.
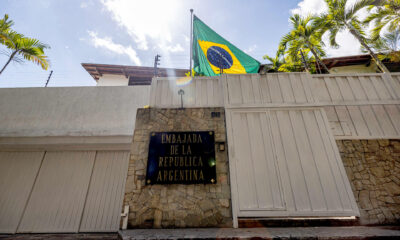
(373,168)
(177,205)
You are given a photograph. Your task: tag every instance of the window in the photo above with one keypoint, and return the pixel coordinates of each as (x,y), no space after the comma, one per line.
(139,80)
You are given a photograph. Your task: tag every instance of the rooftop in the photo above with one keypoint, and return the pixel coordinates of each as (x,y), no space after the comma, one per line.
(137,74)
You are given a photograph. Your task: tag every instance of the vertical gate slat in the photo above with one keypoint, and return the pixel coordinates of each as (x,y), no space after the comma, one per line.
(321,160)
(299,187)
(18,171)
(307,162)
(258,158)
(271,160)
(105,196)
(246,186)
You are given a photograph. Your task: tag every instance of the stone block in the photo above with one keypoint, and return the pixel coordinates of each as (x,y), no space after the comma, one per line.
(387,213)
(384,142)
(224,203)
(364,200)
(389,200)
(206,205)
(157,218)
(377,171)
(192,220)
(357,176)
(392,188)
(381,218)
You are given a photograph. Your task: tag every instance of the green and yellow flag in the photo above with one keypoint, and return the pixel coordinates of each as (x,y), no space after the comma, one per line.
(213,55)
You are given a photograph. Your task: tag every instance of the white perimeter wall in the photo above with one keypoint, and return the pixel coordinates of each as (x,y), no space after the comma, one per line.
(70,111)
(112,80)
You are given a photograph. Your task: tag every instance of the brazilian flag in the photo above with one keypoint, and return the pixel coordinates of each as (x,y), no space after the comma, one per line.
(213,55)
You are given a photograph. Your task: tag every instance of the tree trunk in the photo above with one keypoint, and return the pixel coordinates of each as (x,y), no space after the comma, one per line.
(378,62)
(9,60)
(304,61)
(318,59)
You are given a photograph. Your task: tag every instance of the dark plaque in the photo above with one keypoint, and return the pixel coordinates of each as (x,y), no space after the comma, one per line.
(181,158)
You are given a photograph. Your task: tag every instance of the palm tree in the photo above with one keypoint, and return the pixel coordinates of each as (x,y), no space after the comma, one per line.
(277,61)
(5,28)
(387,13)
(388,46)
(339,18)
(29,48)
(305,34)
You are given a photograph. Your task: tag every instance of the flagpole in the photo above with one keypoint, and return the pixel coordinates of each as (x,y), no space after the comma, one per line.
(191,40)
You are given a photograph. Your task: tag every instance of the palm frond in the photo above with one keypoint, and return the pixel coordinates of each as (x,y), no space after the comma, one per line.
(360,4)
(266,56)
(332,37)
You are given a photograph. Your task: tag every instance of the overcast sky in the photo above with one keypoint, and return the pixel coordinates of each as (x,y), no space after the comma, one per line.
(132,32)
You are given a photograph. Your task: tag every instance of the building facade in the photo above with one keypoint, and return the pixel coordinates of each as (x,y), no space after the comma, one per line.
(208,151)
(120,75)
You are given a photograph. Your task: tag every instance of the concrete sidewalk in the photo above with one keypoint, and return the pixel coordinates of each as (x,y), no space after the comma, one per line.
(359,232)
(60,236)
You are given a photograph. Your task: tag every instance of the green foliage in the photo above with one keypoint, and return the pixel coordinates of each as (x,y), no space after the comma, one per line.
(384,13)
(286,63)
(276,62)
(388,46)
(5,28)
(306,33)
(20,46)
(305,36)
(339,18)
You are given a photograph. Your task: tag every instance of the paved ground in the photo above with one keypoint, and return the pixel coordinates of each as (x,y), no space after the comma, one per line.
(265,233)
(94,236)
(359,232)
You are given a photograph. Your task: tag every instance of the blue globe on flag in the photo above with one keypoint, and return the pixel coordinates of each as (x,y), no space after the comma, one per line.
(219,57)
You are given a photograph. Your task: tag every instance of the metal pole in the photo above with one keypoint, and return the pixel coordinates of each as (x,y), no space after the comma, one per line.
(181,92)
(182,101)
(156,63)
(48,79)
(191,40)
(155,66)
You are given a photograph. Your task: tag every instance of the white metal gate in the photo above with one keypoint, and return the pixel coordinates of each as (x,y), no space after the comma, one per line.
(62,191)
(284,161)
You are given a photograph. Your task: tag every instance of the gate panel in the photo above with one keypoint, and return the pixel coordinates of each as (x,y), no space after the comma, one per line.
(258,184)
(286,163)
(58,197)
(18,171)
(104,201)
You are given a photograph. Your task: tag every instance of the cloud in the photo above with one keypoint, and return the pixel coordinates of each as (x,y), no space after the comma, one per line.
(119,49)
(307,7)
(174,49)
(86,4)
(348,44)
(146,20)
(187,39)
(251,49)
